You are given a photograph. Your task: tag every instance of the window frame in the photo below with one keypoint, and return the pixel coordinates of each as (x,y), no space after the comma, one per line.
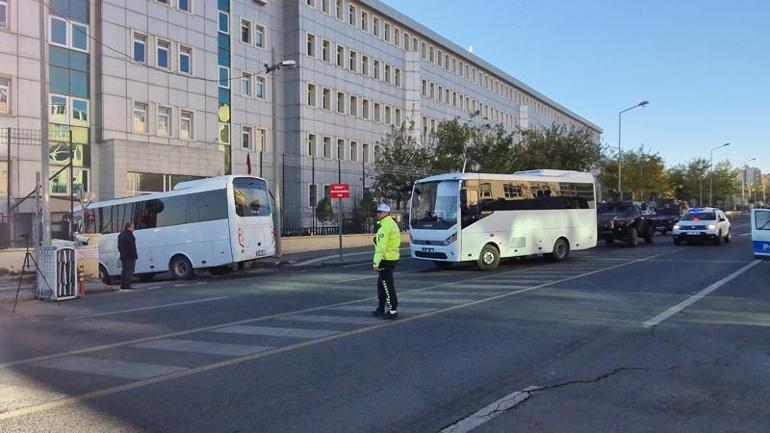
(189,10)
(326,50)
(223,84)
(259,83)
(326,99)
(310,39)
(169,53)
(134,36)
(7,8)
(249,27)
(247,131)
(261,30)
(191,120)
(146,105)
(311,95)
(221,14)
(8,89)
(246,83)
(169,124)
(182,50)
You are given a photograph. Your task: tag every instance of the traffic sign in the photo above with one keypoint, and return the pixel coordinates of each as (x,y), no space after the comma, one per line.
(339,190)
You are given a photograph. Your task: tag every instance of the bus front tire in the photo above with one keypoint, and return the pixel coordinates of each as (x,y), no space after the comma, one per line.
(489,258)
(560,250)
(181,268)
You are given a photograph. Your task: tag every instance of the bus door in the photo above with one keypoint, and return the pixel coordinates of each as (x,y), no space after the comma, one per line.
(760,232)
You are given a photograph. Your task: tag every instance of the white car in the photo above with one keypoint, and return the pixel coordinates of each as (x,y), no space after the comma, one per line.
(703,224)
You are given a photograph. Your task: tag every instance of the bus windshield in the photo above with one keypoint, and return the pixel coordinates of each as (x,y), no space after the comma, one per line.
(251,197)
(434,205)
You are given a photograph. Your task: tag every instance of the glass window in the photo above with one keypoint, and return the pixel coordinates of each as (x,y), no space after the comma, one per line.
(185,59)
(224,133)
(325,6)
(353,151)
(185,5)
(365,152)
(246,137)
(353,61)
(327,147)
(251,197)
(339,10)
(259,36)
(311,149)
(79,112)
(207,206)
(364,21)
(79,37)
(325,48)
(245,84)
(353,106)
(397,76)
(140,51)
(376,26)
(341,149)
(311,95)
(340,56)
(261,140)
(58,31)
(186,124)
(224,77)
(164,212)
(224,22)
(58,110)
(376,69)
(164,121)
(259,91)
(762,220)
(326,96)
(388,116)
(246,31)
(365,65)
(365,109)
(78,85)
(352,15)
(376,111)
(3,14)
(340,102)
(310,45)
(164,48)
(386,32)
(387,74)
(140,117)
(434,205)
(5,95)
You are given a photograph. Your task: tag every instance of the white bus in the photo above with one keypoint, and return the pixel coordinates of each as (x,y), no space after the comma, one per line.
(463,217)
(210,223)
(760,232)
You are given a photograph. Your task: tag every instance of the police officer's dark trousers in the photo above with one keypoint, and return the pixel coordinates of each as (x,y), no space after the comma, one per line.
(386,288)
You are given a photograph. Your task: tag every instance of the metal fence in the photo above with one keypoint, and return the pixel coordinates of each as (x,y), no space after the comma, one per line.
(19,160)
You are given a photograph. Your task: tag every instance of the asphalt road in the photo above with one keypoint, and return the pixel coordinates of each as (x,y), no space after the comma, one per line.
(649,339)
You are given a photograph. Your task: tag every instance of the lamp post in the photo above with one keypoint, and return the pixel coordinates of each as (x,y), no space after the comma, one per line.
(620,159)
(744,167)
(276,66)
(711,173)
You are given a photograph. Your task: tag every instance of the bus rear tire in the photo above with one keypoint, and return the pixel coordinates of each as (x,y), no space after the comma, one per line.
(104,276)
(489,258)
(560,250)
(181,268)
(442,265)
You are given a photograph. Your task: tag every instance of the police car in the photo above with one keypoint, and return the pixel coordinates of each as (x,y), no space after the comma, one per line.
(703,224)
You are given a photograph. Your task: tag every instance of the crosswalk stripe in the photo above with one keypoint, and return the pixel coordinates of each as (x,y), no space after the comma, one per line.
(269,331)
(207,347)
(332,319)
(461,293)
(436,300)
(366,308)
(109,367)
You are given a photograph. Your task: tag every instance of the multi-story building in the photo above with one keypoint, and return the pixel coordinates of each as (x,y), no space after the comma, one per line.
(151,92)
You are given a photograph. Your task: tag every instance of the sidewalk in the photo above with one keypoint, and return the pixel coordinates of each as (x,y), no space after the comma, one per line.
(9,285)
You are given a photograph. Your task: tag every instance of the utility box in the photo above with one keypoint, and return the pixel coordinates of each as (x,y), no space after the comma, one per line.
(57,279)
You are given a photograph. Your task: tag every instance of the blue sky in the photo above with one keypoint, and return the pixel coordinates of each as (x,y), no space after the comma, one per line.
(704,65)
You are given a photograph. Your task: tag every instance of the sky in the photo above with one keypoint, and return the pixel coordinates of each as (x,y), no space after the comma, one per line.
(704,65)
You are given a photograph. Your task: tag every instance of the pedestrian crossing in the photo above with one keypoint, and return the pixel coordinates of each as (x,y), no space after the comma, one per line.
(279,332)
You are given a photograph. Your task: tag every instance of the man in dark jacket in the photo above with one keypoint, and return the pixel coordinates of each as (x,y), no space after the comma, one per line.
(128,256)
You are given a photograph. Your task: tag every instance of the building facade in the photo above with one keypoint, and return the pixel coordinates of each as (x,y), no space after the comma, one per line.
(152,92)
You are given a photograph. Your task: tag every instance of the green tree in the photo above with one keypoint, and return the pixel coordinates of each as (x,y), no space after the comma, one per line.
(402,161)
(452,142)
(644,174)
(558,148)
(324,211)
(726,184)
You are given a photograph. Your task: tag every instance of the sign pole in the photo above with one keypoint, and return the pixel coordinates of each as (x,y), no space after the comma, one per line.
(339,217)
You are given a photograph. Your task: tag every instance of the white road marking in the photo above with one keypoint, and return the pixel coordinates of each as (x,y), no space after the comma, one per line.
(154,307)
(313,318)
(406,300)
(698,296)
(367,308)
(270,331)
(109,367)
(207,347)
(489,412)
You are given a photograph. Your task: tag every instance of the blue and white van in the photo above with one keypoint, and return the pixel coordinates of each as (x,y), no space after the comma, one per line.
(760,232)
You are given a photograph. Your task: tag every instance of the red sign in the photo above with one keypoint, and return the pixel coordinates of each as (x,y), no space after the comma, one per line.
(339,190)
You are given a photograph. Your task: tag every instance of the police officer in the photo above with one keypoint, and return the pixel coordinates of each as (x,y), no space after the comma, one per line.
(387,242)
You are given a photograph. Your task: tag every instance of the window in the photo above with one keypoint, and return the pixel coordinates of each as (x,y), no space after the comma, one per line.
(259,88)
(376,26)
(365,153)
(339,9)
(327,147)
(440,94)
(245,84)
(353,151)
(340,56)
(326,99)
(311,143)
(386,32)
(260,138)
(340,102)
(58,109)
(5,95)
(312,195)
(79,112)
(365,65)
(424,88)
(164,121)
(396,37)
(246,137)
(3,14)
(353,61)
(224,133)
(140,48)
(140,117)
(163,54)
(79,34)
(326,47)
(224,23)
(185,59)
(325,6)
(388,115)
(259,36)
(251,197)
(365,21)
(311,94)
(398,117)
(387,74)
(352,13)
(424,51)
(224,77)
(353,106)
(185,5)
(365,109)
(186,125)
(377,70)
(310,45)
(431,54)
(310,3)
(376,111)
(340,149)
(246,32)
(440,58)
(58,32)
(432,92)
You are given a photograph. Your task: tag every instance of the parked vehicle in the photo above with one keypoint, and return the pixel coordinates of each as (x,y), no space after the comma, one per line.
(668,215)
(703,224)
(626,222)
(760,232)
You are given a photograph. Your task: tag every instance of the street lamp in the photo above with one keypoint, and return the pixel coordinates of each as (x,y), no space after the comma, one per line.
(277,182)
(620,160)
(711,170)
(743,180)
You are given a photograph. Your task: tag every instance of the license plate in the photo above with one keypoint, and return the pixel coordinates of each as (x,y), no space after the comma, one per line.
(261,252)
(428,250)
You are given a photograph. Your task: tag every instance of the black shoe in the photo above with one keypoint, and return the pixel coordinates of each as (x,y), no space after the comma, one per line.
(377,313)
(388,315)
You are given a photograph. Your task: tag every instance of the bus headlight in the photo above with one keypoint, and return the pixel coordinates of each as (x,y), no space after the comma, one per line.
(450,239)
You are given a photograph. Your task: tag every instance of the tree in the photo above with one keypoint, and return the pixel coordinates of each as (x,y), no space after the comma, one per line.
(452,141)
(324,211)
(726,184)
(687,180)
(558,148)
(402,161)
(644,174)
